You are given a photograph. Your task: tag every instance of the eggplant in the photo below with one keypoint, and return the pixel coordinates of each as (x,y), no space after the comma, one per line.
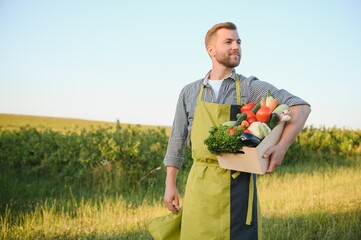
(250,140)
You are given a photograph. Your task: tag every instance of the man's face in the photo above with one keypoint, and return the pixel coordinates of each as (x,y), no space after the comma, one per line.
(226,48)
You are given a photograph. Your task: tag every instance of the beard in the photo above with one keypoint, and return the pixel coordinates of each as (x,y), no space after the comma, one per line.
(228,61)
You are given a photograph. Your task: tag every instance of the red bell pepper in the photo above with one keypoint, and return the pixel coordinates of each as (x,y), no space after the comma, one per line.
(247,107)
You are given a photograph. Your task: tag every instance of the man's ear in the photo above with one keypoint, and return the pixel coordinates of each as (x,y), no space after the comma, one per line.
(210,50)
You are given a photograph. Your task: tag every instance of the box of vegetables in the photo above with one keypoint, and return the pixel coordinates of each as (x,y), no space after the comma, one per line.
(240,144)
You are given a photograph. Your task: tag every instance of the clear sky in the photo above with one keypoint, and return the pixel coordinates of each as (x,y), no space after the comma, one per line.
(128,60)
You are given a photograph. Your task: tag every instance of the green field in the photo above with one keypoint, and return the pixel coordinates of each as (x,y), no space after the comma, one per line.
(99,183)
(14,121)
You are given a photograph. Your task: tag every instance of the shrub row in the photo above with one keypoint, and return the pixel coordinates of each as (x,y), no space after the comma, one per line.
(99,157)
(124,157)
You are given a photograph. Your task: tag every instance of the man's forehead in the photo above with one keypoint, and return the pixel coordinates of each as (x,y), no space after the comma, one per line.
(224,33)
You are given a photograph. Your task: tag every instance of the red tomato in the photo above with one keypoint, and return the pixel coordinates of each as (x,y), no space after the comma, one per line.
(250,114)
(251,117)
(231,130)
(251,120)
(263,114)
(247,107)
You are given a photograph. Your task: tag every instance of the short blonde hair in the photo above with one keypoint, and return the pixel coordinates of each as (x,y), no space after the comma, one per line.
(212,32)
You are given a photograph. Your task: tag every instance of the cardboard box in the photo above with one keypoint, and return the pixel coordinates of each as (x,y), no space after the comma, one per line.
(250,159)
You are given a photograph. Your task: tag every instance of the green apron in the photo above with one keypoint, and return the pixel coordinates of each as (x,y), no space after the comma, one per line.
(218,203)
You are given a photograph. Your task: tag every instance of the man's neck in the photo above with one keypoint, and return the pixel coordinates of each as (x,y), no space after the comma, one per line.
(220,74)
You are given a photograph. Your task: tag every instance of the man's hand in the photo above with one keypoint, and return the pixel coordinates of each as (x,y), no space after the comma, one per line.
(299,115)
(171,198)
(276,154)
(171,195)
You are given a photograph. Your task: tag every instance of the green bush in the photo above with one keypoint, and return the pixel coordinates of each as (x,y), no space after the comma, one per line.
(102,158)
(324,144)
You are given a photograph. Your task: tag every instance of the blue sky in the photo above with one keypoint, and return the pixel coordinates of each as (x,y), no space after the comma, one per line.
(128,60)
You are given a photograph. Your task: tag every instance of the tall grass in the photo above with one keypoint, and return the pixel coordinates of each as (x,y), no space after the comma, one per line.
(312,205)
(320,205)
(109,218)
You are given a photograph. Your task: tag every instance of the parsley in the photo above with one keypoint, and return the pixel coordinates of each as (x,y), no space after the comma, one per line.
(220,140)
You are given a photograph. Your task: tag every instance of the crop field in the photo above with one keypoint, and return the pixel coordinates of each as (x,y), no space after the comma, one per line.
(107,182)
(14,121)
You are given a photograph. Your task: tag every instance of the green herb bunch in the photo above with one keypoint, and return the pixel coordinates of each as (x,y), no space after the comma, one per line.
(223,139)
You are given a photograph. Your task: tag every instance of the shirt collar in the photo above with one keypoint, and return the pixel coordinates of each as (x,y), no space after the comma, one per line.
(231,76)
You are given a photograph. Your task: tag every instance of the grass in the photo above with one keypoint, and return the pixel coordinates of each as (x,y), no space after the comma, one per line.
(110,218)
(320,205)
(304,205)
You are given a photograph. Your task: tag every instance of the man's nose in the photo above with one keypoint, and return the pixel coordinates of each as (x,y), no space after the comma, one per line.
(235,46)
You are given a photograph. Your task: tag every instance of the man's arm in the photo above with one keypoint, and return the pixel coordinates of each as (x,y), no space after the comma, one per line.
(174,155)
(299,115)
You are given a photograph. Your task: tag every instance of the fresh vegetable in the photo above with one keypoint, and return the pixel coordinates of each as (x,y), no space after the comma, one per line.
(232,130)
(274,120)
(251,120)
(244,125)
(263,102)
(250,114)
(280,108)
(247,107)
(273,104)
(269,98)
(240,118)
(259,129)
(256,108)
(264,129)
(251,117)
(229,123)
(254,122)
(253,128)
(285,116)
(249,139)
(263,114)
(220,140)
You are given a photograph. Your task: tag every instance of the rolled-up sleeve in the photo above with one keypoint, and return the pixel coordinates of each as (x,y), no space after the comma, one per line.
(178,136)
(258,89)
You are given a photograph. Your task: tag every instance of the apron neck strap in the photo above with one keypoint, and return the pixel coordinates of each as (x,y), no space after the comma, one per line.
(238,91)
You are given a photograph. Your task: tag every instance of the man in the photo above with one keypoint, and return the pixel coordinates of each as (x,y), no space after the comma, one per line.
(218,204)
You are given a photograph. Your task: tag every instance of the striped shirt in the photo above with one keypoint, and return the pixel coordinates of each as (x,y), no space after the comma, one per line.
(252,90)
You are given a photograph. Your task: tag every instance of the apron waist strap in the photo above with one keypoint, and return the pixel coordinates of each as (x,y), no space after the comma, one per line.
(250,197)
(250,201)
(208,164)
